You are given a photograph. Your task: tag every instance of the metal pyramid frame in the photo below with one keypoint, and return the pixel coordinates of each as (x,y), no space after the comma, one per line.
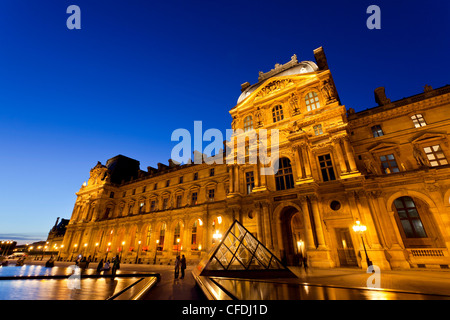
(242,255)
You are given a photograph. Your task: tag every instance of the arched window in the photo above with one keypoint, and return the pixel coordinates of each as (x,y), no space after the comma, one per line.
(277,113)
(409,218)
(148,236)
(248,123)
(312,101)
(196,235)
(284,178)
(177,237)
(162,233)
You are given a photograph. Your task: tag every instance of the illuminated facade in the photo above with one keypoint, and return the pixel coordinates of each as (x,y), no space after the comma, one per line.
(385,167)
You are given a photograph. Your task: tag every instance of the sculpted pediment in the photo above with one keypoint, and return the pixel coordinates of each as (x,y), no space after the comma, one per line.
(384,146)
(273,86)
(429,137)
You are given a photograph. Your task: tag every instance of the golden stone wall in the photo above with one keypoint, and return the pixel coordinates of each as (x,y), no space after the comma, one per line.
(335,178)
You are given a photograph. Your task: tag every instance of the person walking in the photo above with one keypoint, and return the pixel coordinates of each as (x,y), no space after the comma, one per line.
(183,265)
(100,265)
(177,267)
(116,265)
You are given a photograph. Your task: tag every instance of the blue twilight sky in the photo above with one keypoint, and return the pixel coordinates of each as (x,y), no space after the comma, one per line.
(137,70)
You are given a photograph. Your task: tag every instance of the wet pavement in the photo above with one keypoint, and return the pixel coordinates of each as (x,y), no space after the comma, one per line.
(316,284)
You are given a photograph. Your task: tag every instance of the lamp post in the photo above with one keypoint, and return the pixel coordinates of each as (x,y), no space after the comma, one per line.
(360,228)
(156,250)
(73,250)
(121,250)
(95,251)
(85,249)
(217,236)
(107,251)
(137,253)
(178,241)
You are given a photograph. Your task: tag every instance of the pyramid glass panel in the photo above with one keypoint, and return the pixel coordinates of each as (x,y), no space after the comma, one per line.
(240,254)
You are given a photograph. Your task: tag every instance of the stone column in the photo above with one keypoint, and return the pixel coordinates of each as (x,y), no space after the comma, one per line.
(305,158)
(256,175)
(308,230)
(267,226)
(231,178)
(318,222)
(236,179)
(350,155)
(298,161)
(337,148)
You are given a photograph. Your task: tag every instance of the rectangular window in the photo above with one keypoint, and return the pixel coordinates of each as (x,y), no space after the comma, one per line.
(435,155)
(211,172)
(418,120)
(167,183)
(179,201)
(377,131)
(143,189)
(124,194)
(165,203)
(318,130)
(195,175)
(194,198)
(111,195)
(211,194)
(250,181)
(388,164)
(326,167)
(133,192)
(181,179)
(155,186)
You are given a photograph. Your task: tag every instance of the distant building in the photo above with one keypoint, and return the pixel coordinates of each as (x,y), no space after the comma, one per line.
(56,235)
(385,167)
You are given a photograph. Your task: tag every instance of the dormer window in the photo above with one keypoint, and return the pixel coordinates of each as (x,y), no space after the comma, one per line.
(277,113)
(418,120)
(312,101)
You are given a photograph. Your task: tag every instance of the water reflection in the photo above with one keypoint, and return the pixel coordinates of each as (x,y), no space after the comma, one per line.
(260,290)
(56,289)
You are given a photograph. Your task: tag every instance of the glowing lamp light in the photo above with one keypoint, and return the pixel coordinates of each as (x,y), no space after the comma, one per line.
(199,247)
(217,235)
(358,227)
(219,219)
(200,222)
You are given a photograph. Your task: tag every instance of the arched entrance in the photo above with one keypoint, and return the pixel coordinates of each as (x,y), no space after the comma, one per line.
(292,229)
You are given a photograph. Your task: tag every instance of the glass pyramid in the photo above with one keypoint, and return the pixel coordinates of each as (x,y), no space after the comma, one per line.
(241,255)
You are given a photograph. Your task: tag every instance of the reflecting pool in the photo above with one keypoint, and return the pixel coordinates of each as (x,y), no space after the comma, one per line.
(57,289)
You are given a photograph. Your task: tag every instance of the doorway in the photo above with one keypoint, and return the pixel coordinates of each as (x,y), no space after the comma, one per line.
(292,230)
(346,251)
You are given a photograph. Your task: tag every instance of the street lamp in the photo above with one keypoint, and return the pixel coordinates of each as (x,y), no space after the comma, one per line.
(156,250)
(121,250)
(95,251)
(217,236)
(85,249)
(137,254)
(107,251)
(360,228)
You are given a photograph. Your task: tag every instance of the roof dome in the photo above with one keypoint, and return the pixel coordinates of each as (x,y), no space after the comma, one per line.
(293,67)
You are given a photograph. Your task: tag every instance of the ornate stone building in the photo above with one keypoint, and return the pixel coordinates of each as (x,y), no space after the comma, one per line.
(385,167)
